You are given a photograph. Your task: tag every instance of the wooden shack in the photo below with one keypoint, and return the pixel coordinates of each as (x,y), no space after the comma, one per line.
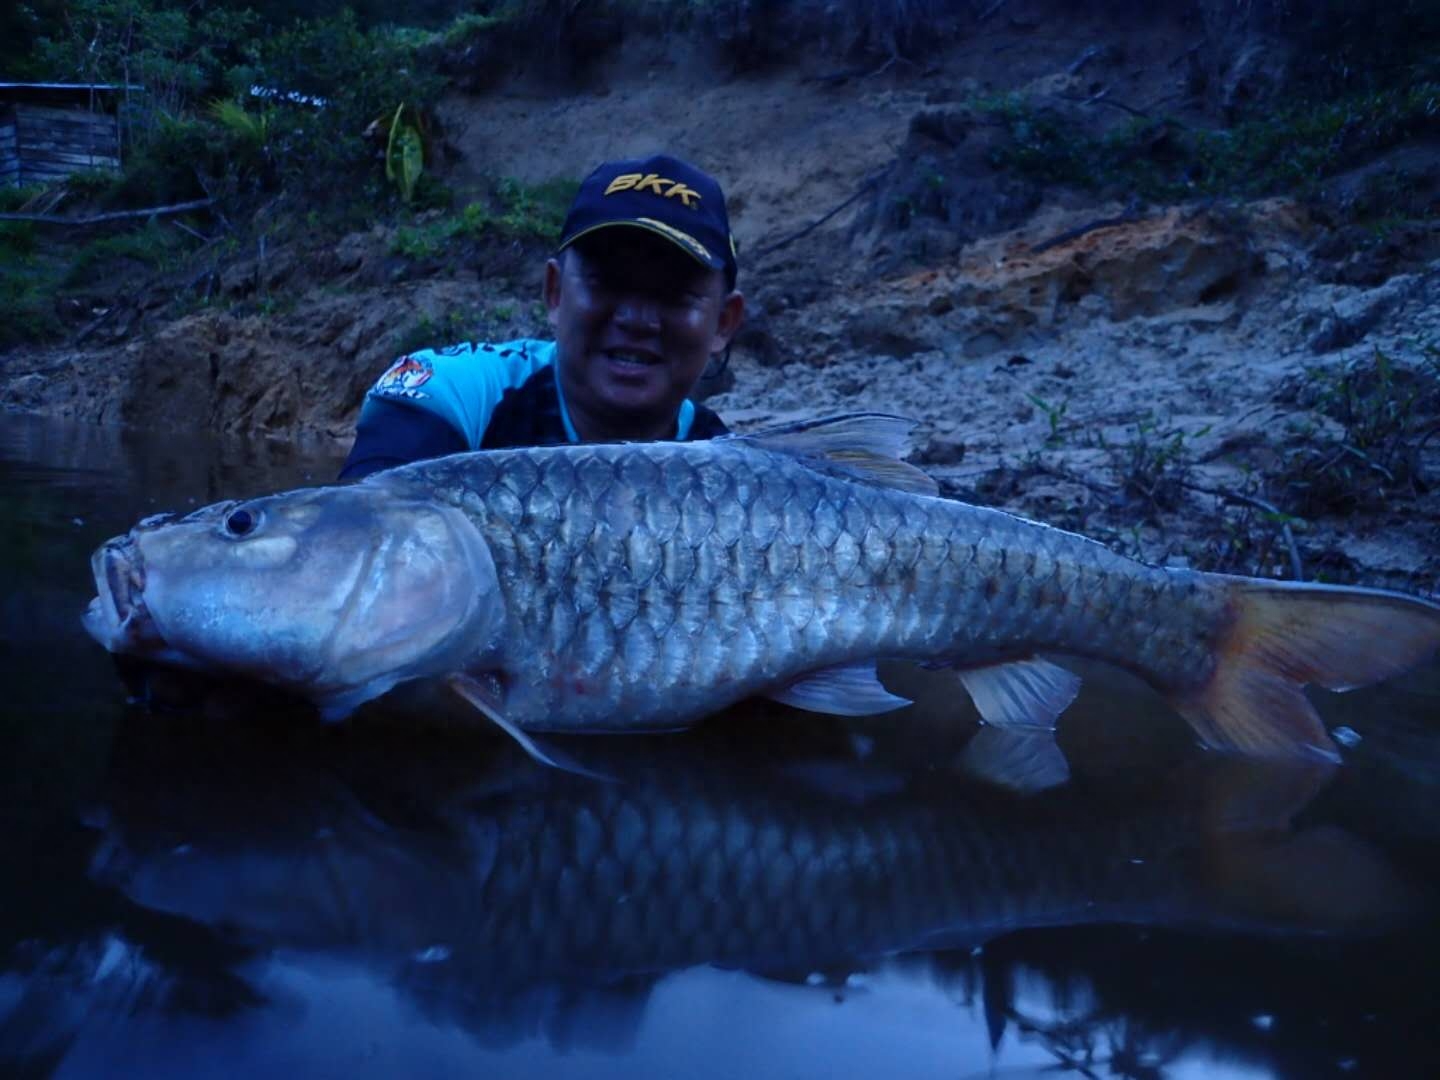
(50,130)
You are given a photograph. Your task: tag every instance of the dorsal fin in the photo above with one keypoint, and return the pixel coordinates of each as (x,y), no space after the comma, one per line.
(870,445)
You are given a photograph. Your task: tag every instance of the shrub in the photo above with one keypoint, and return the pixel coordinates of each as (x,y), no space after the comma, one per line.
(1387,412)
(329,80)
(1290,149)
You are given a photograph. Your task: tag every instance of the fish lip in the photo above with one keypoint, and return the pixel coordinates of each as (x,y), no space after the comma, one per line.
(118,616)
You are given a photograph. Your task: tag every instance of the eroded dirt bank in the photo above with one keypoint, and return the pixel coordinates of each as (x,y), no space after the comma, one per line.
(1242,385)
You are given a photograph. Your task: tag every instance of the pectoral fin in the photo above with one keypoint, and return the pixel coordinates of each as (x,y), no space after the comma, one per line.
(487,696)
(851,690)
(1022,693)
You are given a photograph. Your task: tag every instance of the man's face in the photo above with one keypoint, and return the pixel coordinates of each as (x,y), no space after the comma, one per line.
(636,321)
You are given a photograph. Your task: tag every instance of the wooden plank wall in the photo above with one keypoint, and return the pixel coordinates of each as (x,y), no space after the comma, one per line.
(9,154)
(52,143)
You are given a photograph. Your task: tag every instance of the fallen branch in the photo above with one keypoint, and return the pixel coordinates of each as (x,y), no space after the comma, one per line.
(96,323)
(1103,98)
(1089,54)
(867,186)
(1130,214)
(114,215)
(1297,569)
(197,234)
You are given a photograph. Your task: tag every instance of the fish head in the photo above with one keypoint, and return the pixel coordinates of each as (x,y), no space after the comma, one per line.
(337,593)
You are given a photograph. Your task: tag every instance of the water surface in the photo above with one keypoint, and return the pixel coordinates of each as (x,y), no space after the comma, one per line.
(203,880)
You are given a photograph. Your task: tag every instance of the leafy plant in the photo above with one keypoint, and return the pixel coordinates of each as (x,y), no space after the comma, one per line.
(1153,467)
(405,150)
(433,332)
(152,246)
(328,80)
(1055,414)
(1387,413)
(516,211)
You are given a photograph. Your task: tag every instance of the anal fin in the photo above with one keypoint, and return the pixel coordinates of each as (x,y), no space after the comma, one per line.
(1028,693)
(848,690)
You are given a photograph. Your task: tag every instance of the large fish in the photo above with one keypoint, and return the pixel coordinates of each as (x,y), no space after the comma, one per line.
(643,586)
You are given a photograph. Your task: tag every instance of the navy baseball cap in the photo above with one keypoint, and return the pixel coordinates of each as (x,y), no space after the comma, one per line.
(663,194)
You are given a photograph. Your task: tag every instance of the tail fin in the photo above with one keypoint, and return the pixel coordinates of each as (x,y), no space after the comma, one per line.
(1284,636)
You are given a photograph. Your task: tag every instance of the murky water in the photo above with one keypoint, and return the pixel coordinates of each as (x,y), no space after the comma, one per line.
(212,883)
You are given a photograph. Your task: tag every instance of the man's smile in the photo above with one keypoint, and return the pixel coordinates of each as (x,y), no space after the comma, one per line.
(632,360)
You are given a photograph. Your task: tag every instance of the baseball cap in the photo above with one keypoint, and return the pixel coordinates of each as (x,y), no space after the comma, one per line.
(663,194)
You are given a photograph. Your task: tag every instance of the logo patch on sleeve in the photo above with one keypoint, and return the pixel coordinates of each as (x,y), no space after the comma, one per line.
(405,378)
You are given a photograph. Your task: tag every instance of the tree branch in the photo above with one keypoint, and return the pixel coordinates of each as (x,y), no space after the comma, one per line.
(1297,568)
(114,215)
(868,185)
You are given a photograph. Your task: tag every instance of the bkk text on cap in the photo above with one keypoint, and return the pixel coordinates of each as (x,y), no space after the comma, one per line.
(663,194)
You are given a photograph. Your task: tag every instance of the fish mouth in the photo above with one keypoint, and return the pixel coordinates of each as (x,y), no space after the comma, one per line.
(117,617)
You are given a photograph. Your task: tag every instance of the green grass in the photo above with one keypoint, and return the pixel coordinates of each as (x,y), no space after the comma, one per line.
(153,246)
(29,279)
(515,211)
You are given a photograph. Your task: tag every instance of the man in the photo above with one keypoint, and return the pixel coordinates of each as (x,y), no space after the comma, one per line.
(640,294)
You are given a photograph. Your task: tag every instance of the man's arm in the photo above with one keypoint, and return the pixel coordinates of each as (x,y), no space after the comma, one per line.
(391,434)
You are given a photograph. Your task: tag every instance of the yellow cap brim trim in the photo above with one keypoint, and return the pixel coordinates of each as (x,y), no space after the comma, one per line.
(683,240)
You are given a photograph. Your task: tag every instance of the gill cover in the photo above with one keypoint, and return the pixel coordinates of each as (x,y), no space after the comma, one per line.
(337,593)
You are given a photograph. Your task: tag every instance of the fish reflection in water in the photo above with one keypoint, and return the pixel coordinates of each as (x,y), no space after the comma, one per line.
(510,900)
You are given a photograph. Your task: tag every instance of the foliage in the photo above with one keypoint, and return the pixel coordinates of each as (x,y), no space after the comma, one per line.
(247,128)
(1387,414)
(1153,467)
(27,285)
(1055,414)
(329,80)
(405,150)
(151,246)
(1291,148)
(535,211)
(1342,45)
(173,55)
(430,333)
(467,27)
(516,212)
(174,164)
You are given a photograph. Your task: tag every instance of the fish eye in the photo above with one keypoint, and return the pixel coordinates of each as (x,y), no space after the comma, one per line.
(241,522)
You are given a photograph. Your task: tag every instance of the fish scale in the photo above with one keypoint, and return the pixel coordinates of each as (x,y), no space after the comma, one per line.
(644,586)
(657,552)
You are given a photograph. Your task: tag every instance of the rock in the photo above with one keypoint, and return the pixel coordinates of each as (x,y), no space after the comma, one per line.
(757,338)
(24,392)
(1349,319)
(351,252)
(943,449)
(885,331)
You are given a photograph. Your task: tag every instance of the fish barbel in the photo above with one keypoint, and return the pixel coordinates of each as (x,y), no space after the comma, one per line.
(643,586)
